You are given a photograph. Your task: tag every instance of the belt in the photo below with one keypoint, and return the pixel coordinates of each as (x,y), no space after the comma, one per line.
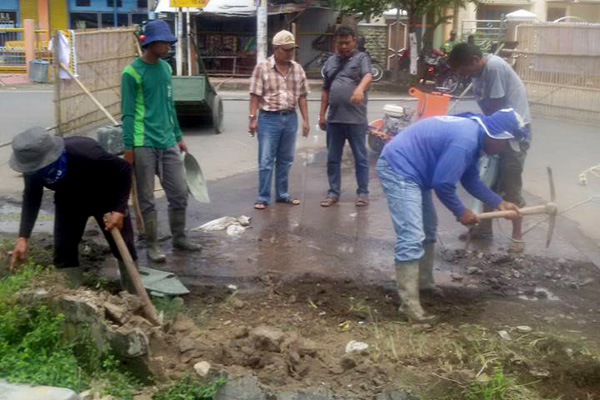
(280,112)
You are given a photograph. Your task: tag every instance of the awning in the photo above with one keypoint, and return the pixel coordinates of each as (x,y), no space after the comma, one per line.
(233,8)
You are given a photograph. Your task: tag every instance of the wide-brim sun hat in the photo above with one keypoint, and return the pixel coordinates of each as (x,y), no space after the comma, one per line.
(157,31)
(504,124)
(35,149)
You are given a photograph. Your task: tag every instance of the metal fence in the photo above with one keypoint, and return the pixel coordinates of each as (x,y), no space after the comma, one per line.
(12,49)
(484,33)
(560,67)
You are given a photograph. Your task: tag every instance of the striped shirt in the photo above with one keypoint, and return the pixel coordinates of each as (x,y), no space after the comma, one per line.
(278,92)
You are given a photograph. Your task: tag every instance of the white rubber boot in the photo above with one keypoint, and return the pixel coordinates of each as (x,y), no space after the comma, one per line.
(407,279)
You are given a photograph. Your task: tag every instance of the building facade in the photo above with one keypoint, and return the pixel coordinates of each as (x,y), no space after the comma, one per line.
(545,10)
(73,14)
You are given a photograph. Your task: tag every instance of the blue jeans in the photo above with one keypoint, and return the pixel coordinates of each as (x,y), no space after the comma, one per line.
(276,146)
(412,210)
(337,134)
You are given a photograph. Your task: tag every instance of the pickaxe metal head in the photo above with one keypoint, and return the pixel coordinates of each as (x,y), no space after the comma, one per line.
(552,208)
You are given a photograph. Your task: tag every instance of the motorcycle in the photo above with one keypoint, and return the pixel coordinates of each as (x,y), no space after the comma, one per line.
(436,71)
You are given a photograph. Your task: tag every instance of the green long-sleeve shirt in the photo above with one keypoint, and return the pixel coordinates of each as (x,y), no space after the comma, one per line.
(149,118)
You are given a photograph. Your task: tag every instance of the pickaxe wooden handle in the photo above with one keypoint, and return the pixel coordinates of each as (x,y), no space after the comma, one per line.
(548,208)
(149,309)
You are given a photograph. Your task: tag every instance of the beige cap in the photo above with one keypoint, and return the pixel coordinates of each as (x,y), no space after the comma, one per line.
(284,38)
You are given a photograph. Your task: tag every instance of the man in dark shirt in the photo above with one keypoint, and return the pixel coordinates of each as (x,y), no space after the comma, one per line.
(348,75)
(87,181)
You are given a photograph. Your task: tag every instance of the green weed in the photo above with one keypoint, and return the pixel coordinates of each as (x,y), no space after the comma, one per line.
(169,306)
(498,387)
(191,389)
(33,349)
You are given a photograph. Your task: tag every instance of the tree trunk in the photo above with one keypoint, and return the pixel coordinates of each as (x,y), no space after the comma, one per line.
(413,44)
(396,50)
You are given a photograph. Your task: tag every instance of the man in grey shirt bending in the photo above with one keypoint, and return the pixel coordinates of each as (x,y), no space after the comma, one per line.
(348,75)
(497,86)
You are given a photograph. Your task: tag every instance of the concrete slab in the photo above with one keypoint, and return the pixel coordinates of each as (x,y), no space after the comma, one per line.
(12,391)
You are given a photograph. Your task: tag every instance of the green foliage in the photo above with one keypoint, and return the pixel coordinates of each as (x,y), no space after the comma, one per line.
(170,306)
(191,389)
(498,387)
(33,349)
(366,8)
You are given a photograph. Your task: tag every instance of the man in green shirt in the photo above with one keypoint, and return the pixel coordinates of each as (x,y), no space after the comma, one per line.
(152,138)
(449,45)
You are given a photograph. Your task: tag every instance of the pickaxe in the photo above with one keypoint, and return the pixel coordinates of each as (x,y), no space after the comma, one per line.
(550,209)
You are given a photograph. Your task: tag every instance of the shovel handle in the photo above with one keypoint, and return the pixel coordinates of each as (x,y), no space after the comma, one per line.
(134,275)
(543,209)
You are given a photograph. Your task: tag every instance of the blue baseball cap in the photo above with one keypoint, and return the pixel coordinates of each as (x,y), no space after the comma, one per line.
(157,31)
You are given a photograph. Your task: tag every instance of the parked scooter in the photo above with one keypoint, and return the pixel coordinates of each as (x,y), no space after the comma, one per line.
(437,74)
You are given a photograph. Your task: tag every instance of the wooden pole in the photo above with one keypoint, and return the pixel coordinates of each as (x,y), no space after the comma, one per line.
(57,99)
(149,309)
(29,33)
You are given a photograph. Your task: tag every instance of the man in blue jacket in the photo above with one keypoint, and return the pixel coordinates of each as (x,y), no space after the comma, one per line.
(435,154)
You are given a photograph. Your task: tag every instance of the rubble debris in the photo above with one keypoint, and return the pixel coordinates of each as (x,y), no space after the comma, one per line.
(354,346)
(524,329)
(202,368)
(504,335)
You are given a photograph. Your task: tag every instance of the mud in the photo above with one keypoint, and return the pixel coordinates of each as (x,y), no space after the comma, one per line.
(325,277)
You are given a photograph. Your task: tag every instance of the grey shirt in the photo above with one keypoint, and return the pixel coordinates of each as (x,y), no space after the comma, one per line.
(341,110)
(499,81)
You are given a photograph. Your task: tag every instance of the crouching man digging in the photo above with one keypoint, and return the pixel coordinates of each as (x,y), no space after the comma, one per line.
(435,154)
(87,182)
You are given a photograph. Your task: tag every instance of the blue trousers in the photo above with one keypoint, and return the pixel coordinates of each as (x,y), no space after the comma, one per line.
(412,211)
(276,146)
(337,134)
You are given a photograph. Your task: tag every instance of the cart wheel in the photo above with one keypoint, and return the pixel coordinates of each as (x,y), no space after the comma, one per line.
(217,114)
(375,143)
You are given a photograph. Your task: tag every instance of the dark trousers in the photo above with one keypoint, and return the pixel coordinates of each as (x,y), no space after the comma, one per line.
(69,225)
(355,134)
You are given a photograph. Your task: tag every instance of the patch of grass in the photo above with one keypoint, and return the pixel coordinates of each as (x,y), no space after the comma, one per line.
(498,387)
(191,389)
(33,349)
(169,306)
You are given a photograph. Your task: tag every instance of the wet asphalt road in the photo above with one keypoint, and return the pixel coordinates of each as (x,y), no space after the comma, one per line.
(340,242)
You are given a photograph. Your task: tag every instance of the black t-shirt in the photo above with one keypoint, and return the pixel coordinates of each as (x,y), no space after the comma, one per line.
(95,182)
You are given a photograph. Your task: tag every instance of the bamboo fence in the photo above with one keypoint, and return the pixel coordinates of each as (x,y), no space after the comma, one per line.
(101,55)
(560,67)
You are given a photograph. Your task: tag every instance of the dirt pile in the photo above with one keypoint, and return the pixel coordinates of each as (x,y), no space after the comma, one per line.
(512,274)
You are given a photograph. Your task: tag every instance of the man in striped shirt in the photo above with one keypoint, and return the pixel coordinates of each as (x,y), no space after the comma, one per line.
(278,84)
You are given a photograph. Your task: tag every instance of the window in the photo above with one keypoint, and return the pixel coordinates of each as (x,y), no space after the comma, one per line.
(108,20)
(138,19)
(142,3)
(84,20)
(82,3)
(111,3)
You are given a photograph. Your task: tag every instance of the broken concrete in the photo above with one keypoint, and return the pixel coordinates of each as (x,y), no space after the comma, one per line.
(12,391)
